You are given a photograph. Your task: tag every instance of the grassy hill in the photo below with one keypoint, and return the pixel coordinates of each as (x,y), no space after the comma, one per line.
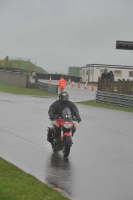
(24,66)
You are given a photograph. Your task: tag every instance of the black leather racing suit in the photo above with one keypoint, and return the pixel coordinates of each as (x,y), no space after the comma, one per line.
(58,106)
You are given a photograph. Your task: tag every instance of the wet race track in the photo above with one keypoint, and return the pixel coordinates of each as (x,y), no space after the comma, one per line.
(100,165)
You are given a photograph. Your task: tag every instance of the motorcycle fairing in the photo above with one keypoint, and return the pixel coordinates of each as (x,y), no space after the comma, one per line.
(66,134)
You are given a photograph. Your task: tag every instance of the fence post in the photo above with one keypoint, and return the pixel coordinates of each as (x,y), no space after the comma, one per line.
(119,86)
(102,84)
(109,85)
(99,84)
(130,87)
(105,85)
(127,86)
(112,86)
(123,87)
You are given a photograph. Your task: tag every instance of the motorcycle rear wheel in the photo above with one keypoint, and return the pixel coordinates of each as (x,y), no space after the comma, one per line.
(66,146)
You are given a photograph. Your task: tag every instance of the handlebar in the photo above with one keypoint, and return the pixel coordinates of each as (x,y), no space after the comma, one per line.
(73,118)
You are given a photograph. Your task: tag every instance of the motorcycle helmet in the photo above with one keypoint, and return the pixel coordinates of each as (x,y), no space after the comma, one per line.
(63,96)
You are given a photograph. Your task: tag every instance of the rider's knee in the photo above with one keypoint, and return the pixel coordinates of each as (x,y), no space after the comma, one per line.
(51,128)
(74,128)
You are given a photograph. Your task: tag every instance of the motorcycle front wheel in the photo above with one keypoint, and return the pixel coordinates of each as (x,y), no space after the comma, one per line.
(66,146)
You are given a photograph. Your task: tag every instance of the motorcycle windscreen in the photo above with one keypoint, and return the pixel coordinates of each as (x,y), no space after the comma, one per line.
(66,114)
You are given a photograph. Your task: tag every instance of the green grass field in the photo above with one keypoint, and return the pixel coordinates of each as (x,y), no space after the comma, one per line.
(23,91)
(24,66)
(17,185)
(102,105)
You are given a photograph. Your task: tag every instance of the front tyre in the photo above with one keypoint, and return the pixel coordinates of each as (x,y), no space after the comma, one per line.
(66,146)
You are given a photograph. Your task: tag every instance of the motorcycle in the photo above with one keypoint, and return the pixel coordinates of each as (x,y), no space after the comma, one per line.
(62,139)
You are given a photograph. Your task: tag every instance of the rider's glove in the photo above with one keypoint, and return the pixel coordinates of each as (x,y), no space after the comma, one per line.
(52,117)
(78,119)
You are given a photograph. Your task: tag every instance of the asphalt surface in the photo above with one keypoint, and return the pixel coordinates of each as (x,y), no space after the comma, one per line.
(100,165)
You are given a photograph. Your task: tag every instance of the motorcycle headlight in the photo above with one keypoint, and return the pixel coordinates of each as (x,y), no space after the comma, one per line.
(68,126)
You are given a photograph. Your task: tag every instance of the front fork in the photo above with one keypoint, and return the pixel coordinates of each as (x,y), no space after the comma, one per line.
(65,134)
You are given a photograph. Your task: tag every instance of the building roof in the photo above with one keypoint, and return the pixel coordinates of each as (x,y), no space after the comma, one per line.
(108,66)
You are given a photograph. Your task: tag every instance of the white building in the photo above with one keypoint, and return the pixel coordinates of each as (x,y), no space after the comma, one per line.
(91,72)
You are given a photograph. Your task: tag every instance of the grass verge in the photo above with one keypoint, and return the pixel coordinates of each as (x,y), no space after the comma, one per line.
(17,185)
(102,105)
(4,87)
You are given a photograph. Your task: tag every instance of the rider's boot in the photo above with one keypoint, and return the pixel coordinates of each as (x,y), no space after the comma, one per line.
(49,135)
(73,131)
(50,130)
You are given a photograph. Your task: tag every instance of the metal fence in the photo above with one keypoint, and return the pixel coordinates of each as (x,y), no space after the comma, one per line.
(48,87)
(114,98)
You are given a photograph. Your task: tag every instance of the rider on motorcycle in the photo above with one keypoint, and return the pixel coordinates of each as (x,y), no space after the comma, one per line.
(56,110)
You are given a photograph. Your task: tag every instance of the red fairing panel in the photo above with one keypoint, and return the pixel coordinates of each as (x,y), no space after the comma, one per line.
(66,134)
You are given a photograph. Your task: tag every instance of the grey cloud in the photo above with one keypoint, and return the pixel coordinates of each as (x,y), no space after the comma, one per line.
(60,33)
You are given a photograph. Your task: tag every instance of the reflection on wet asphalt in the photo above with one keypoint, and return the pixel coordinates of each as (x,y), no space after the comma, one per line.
(59,172)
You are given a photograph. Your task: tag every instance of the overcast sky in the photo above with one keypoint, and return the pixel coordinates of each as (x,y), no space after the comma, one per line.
(61,33)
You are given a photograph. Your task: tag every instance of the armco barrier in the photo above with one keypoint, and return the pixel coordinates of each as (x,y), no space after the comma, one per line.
(48,87)
(114,98)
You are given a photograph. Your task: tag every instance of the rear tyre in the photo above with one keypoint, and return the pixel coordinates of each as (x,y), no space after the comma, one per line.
(66,146)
